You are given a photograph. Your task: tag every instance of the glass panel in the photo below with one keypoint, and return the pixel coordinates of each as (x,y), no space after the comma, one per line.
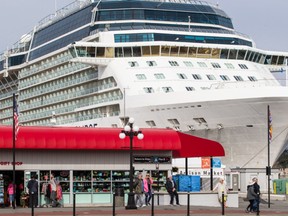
(127,51)
(136,51)
(101,181)
(204,52)
(91,51)
(165,50)
(241,54)
(280,60)
(274,60)
(216,53)
(232,54)
(224,54)
(183,51)
(174,51)
(118,52)
(146,50)
(155,50)
(82,181)
(100,52)
(192,51)
(109,52)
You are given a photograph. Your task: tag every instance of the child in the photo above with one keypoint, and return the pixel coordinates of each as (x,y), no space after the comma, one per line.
(24,199)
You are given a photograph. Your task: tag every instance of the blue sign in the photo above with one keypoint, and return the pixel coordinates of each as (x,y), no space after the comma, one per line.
(216,162)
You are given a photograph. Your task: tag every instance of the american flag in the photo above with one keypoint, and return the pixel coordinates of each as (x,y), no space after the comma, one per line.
(16,117)
(269,124)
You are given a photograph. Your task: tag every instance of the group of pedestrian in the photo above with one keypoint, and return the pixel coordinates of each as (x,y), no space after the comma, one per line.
(143,190)
(253,195)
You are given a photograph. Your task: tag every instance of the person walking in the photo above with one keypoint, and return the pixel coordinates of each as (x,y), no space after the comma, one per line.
(11,193)
(221,189)
(53,194)
(148,181)
(171,189)
(33,192)
(256,187)
(251,196)
(139,189)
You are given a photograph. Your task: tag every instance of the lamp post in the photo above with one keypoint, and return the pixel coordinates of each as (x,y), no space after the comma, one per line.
(131,131)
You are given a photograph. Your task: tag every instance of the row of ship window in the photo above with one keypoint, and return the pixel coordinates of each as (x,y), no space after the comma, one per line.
(177,51)
(189,64)
(197,77)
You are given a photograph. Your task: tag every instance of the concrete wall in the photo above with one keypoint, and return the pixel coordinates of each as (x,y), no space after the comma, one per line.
(199,199)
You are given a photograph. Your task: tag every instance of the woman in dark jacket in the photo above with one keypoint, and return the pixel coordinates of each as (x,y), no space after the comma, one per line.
(251,196)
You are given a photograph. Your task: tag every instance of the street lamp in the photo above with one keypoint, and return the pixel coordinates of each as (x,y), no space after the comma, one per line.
(131,131)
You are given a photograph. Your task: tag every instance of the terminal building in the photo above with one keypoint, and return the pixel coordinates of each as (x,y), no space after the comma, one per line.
(93,162)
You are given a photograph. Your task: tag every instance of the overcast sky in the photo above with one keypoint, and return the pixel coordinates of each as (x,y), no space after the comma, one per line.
(263,20)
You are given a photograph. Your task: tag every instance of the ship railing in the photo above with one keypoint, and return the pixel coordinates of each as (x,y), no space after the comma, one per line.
(244,84)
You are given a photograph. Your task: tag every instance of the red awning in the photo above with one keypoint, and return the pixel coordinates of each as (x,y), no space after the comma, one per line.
(78,138)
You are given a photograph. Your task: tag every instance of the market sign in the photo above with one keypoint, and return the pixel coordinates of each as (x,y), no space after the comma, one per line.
(153,159)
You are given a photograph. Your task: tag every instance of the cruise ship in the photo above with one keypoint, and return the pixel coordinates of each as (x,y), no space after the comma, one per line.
(167,63)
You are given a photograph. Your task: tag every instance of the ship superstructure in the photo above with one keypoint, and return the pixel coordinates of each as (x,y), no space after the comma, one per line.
(169,64)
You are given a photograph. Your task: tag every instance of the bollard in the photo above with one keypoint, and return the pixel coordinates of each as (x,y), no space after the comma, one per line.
(152,207)
(114,204)
(188,203)
(74,204)
(258,201)
(222,203)
(32,203)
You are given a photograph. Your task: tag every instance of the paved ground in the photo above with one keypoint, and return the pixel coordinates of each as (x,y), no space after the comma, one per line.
(279,208)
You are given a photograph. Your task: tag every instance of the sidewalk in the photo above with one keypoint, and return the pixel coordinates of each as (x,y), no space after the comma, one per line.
(279,208)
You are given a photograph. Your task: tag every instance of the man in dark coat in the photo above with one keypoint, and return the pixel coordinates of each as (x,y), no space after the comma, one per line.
(33,192)
(171,189)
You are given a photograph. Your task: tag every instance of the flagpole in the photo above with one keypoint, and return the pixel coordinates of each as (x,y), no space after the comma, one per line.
(13,149)
(268,170)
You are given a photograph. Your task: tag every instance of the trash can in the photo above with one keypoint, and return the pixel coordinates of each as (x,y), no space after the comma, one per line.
(119,197)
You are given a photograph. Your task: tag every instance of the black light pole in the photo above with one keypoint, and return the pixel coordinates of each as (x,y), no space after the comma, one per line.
(268,168)
(15,131)
(131,132)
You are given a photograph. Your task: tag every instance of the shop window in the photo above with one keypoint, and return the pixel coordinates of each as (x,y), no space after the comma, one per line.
(63,178)
(82,181)
(101,181)
(120,179)
(159,179)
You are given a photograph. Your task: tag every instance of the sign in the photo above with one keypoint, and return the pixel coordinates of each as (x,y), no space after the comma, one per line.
(205,163)
(153,159)
(7,163)
(216,163)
